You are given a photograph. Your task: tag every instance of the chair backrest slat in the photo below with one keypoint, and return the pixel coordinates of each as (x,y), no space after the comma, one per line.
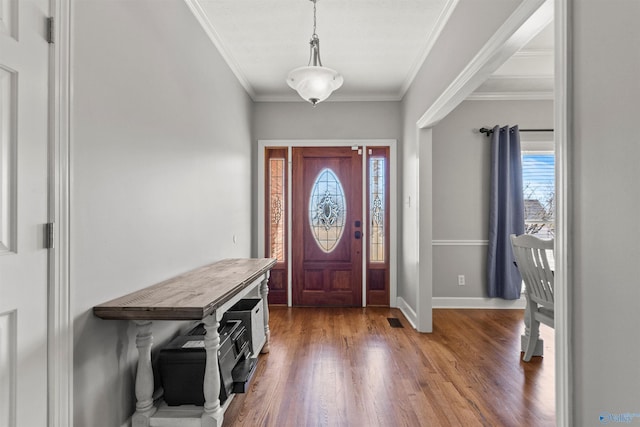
(531,257)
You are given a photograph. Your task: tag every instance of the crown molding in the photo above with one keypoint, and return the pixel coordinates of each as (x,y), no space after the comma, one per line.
(198,11)
(334,98)
(431,41)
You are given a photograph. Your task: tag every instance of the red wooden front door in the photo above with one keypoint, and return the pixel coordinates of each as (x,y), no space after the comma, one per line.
(327,226)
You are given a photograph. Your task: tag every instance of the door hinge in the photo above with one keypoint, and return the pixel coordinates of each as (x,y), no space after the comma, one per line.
(49,235)
(50,30)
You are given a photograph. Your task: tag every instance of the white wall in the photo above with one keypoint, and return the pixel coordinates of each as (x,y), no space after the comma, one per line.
(161,177)
(604,246)
(461,159)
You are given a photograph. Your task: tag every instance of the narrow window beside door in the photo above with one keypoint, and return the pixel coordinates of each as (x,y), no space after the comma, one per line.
(276,222)
(377,209)
(277,202)
(378,272)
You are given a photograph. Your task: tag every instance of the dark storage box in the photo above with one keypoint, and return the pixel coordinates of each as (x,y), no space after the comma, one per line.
(250,311)
(182,364)
(182,371)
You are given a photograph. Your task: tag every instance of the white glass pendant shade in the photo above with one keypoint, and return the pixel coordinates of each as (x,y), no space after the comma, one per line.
(314,83)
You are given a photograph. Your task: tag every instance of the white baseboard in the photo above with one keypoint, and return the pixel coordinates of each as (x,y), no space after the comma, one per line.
(408,312)
(486,303)
(452,302)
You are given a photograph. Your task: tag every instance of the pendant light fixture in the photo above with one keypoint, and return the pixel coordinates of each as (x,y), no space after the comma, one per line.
(314,83)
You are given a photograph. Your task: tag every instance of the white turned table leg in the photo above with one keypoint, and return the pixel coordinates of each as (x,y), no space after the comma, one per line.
(144,375)
(264,292)
(213,414)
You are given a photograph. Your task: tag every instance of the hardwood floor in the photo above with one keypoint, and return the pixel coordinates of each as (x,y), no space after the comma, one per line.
(348,367)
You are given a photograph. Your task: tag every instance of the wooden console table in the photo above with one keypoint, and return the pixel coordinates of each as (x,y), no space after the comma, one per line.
(203,294)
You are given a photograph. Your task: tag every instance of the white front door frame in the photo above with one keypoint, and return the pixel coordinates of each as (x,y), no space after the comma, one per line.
(393,199)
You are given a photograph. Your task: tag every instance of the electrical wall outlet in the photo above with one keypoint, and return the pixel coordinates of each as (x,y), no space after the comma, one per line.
(461,281)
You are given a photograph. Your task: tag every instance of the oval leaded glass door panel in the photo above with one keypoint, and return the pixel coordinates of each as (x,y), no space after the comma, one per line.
(327,210)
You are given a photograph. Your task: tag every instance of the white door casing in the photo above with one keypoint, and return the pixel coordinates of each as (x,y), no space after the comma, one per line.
(24,173)
(393,230)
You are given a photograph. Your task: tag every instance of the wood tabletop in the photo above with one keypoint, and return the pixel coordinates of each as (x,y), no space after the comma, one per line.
(189,296)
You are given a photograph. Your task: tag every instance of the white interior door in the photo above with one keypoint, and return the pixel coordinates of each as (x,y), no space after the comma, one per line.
(24,141)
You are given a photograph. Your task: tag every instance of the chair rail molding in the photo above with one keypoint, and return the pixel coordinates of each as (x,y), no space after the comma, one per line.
(460,242)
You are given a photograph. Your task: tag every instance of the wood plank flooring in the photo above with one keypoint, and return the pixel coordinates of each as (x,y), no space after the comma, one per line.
(349,367)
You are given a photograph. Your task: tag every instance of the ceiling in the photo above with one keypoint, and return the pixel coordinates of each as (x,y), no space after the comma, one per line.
(527,75)
(377,45)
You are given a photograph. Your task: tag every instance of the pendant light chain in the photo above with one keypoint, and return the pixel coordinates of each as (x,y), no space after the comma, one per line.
(314,19)
(314,52)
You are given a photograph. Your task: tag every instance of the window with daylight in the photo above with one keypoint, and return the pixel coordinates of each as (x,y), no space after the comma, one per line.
(327,210)
(277,199)
(377,212)
(538,183)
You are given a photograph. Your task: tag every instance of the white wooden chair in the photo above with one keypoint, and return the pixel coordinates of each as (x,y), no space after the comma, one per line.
(531,257)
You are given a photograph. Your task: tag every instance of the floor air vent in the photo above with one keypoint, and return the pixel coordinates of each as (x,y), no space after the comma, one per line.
(394,322)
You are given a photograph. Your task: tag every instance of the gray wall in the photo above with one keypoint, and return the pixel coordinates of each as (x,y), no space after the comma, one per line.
(438,71)
(604,243)
(461,188)
(161,177)
(328,120)
(158,120)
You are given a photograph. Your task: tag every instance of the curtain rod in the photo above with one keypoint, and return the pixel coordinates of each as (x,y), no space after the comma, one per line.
(490,131)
